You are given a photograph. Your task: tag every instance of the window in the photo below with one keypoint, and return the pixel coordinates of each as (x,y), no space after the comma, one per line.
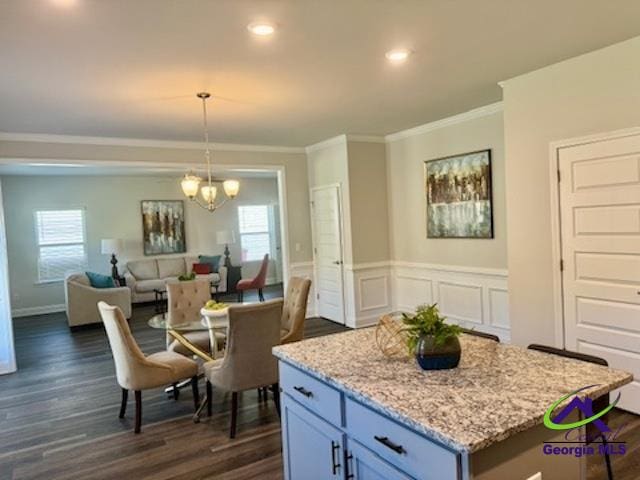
(60,235)
(255,238)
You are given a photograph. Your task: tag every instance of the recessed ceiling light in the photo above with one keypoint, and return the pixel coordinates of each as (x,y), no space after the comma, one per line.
(398,55)
(64,3)
(262,29)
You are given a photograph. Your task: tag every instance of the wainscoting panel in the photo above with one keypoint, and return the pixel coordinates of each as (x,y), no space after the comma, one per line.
(305,270)
(367,293)
(472,297)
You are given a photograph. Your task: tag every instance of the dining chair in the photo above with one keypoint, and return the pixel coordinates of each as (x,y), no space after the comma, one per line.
(256,283)
(137,372)
(248,363)
(184,301)
(294,310)
(475,333)
(599,404)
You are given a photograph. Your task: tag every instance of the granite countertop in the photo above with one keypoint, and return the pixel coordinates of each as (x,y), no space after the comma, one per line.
(496,391)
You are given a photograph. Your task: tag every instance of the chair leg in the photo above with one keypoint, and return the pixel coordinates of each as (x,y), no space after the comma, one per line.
(275,388)
(240,296)
(209,398)
(234,414)
(607,458)
(138,394)
(176,391)
(123,405)
(260,295)
(196,393)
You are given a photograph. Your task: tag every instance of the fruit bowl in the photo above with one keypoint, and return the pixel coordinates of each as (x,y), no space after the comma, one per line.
(213,309)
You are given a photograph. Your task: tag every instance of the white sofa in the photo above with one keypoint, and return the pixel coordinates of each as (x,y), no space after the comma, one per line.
(82,300)
(145,276)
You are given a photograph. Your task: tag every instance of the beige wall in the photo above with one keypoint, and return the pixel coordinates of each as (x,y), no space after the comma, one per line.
(112,210)
(593,93)
(294,163)
(368,201)
(405,168)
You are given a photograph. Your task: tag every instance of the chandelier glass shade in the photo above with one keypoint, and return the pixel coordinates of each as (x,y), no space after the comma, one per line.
(191,183)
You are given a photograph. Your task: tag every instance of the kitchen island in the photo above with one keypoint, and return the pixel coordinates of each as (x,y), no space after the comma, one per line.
(348,412)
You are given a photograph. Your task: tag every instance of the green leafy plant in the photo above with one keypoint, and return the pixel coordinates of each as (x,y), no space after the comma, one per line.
(187,278)
(428,321)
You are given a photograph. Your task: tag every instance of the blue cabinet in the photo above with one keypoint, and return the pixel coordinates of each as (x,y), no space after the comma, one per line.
(363,464)
(313,448)
(327,435)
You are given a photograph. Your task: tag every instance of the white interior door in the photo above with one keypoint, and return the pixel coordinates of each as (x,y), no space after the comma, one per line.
(327,252)
(600,221)
(7,352)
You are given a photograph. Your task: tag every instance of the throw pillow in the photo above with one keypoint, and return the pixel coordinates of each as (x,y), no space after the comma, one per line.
(213,260)
(201,268)
(98,280)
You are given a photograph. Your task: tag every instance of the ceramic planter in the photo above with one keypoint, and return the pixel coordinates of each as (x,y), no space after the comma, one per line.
(437,357)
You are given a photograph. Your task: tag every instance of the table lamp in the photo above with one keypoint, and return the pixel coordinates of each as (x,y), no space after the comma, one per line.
(111,246)
(225,237)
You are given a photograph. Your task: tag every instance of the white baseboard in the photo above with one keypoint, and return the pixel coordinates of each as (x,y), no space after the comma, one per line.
(27,312)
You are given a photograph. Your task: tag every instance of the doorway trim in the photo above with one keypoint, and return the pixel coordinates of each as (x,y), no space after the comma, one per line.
(181,167)
(556,235)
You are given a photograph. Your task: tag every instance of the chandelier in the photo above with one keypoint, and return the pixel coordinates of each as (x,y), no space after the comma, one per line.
(191,183)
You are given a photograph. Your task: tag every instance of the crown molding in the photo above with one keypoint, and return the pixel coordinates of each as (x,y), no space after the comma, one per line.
(445,122)
(366,138)
(330,142)
(142,142)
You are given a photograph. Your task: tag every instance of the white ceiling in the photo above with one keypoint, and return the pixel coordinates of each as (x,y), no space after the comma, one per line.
(123,68)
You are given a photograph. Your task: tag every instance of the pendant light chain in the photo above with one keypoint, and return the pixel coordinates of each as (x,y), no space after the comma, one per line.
(207,152)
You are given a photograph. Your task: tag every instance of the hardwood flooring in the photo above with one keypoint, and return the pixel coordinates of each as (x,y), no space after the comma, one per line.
(59,416)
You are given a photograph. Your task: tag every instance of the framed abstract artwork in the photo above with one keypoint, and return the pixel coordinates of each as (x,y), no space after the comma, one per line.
(163,227)
(458,193)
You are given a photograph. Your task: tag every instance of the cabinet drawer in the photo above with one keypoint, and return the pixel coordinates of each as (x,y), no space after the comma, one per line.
(312,393)
(407,450)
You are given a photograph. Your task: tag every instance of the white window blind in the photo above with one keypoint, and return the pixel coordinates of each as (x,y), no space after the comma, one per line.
(255,237)
(60,235)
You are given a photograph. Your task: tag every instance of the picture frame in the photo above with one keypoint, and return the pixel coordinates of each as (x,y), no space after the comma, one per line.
(163,227)
(459,196)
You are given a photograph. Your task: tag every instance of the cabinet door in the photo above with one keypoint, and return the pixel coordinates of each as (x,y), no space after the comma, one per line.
(312,448)
(363,464)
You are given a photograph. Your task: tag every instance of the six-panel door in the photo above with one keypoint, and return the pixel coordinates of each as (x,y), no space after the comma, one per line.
(312,448)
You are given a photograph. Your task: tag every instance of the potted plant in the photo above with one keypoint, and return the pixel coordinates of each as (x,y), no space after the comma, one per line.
(434,342)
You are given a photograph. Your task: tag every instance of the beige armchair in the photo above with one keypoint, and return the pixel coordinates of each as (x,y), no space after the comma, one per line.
(136,372)
(82,300)
(248,362)
(294,310)
(185,300)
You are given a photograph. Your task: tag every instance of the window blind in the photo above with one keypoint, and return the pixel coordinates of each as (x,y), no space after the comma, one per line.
(61,243)
(255,237)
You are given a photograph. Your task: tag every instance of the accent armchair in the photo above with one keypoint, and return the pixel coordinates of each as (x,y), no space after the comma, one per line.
(248,363)
(82,300)
(137,372)
(256,283)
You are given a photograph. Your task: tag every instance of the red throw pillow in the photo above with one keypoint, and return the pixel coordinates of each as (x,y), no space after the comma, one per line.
(201,268)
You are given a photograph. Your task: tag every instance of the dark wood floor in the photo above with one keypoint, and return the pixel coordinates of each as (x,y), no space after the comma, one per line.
(59,416)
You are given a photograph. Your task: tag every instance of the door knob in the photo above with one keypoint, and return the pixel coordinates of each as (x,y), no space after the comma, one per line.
(337,262)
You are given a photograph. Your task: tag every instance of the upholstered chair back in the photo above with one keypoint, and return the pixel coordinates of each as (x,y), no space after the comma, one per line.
(133,370)
(261,278)
(186,299)
(254,329)
(295,309)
